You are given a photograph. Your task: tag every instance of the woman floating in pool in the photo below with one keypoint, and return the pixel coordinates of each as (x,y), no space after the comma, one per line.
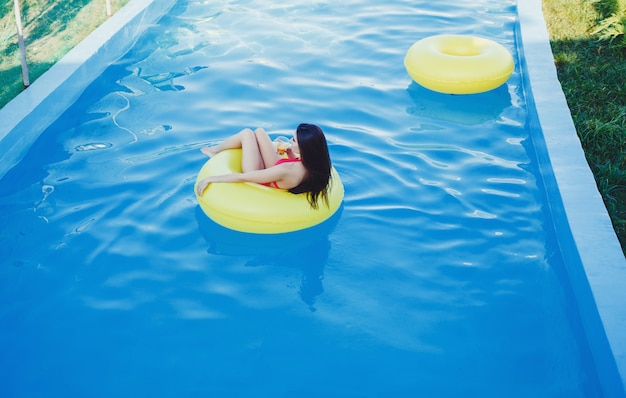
(261,163)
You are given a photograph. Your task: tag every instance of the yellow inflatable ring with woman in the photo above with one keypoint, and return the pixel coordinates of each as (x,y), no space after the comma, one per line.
(457,64)
(256,208)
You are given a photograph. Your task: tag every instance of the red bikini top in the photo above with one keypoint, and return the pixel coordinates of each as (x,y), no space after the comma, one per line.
(281,161)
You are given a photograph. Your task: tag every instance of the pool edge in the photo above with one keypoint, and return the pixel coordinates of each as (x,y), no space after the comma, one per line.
(28,114)
(595,261)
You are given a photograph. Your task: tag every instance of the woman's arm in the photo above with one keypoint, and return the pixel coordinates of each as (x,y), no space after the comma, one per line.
(274,173)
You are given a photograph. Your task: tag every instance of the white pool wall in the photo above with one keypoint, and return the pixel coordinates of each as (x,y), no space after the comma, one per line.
(595,261)
(596,264)
(24,118)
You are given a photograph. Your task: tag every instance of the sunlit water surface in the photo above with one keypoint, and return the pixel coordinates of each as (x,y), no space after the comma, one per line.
(438,277)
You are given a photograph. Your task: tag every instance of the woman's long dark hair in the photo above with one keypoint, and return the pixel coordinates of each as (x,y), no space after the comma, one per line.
(316,160)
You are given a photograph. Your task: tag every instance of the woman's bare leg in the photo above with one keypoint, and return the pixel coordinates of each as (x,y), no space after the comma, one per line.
(251,158)
(232,142)
(258,150)
(266,147)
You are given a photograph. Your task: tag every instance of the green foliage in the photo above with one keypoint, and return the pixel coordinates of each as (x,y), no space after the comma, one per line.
(605,8)
(611,25)
(612,29)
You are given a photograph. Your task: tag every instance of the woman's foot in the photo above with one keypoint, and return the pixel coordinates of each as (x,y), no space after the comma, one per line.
(209,151)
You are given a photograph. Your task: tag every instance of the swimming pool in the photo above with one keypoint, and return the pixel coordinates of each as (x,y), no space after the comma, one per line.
(445,273)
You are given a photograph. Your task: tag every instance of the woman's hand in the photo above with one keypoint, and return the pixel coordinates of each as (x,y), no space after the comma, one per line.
(202,184)
(291,153)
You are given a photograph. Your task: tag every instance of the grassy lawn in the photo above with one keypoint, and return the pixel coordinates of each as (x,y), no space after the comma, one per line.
(51,29)
(591,73)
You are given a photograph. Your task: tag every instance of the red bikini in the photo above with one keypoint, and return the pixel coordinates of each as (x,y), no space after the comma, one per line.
(280,161)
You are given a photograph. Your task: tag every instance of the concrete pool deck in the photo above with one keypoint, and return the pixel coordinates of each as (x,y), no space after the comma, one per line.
(596,264)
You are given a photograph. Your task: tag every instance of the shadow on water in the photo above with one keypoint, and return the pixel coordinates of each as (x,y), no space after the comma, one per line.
(467,109)
(307,249)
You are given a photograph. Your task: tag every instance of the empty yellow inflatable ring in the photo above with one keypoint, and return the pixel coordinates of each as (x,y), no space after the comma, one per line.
(457,64)
(250,207)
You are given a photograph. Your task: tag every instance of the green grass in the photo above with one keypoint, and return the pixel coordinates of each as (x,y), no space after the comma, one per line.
(591,72)
(51,29)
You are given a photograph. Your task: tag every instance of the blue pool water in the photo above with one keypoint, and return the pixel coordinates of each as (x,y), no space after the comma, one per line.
(440,276)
